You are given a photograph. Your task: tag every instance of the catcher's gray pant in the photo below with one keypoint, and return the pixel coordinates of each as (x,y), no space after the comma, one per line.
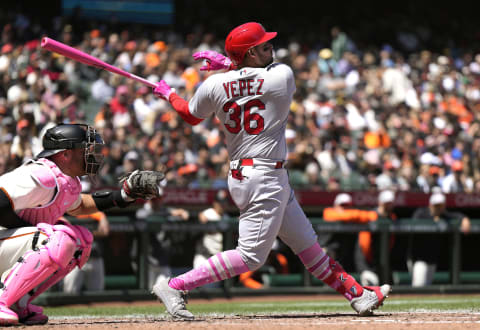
(92,275)
(268,208)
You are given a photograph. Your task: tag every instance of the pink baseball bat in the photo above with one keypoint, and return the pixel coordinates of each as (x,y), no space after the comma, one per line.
(77,55)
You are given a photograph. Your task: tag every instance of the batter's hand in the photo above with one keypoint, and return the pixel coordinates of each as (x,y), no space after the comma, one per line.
(163,90)
(215,61)
(142,184)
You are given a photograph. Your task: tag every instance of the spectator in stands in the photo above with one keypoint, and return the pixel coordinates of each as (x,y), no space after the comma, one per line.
(101,90)
(313,179)
(457,180)
(340,43)
(144,111)
(162,244)
(367,254)
(211,243)
(341,246)
(120,107)
(326,63)
(426,251)
(92,275)
(25,145)
(430,176)
(387,179)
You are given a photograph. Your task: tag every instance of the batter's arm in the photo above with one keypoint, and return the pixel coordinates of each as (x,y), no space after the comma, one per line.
(164,91)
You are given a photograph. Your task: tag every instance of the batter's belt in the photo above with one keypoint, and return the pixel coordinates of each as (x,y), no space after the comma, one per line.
(277,164)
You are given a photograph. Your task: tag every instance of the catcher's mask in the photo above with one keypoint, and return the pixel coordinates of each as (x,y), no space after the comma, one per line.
(75,136)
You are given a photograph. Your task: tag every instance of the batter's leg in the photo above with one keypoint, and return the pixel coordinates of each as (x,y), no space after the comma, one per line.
(262,197)
(259,223)
(298,233)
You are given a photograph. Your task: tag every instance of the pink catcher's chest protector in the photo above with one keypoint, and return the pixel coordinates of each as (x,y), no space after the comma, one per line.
(67,192)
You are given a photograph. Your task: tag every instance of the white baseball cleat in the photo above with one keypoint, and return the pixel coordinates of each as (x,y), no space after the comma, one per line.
(174,300)
(7,316)
(371,298)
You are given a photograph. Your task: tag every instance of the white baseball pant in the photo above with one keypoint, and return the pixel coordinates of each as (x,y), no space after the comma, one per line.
(268,208)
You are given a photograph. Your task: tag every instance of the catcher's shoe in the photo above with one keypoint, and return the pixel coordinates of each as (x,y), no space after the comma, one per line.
(7,316)
(371,298)
(31,315)
(174,300)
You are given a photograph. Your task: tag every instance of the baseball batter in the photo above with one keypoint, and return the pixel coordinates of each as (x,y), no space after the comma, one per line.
(36,249)
(252,101)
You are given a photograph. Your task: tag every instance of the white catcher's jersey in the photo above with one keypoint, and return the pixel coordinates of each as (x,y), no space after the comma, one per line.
(253,105)
(24,191)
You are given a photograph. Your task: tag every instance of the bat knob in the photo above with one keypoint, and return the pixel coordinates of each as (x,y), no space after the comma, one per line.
(44,42)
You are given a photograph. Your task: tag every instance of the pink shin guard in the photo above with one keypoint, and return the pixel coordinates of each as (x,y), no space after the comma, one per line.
(219,267)
(38,265)
(319,264)
(57,276)
(84,241)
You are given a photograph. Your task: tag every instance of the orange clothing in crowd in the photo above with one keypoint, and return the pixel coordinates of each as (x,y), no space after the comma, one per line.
(355,216)
(191,77)
(249,282)
(375,140)
(453,105)
(349,215)
(94,216)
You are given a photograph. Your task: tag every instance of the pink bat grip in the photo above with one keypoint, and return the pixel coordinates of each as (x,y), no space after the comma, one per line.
(77,55)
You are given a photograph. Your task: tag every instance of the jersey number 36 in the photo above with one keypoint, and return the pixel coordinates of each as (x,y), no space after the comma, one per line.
(253,123)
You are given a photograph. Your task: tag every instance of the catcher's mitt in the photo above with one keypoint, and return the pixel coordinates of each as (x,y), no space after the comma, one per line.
(142,184)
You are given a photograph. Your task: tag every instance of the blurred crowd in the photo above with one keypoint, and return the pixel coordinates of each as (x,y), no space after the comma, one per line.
(363,118)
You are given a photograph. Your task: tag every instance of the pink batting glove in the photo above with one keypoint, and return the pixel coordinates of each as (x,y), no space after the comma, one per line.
(215,61)
(163,90)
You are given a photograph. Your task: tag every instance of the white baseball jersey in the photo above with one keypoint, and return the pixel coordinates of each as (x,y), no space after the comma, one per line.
(253,106)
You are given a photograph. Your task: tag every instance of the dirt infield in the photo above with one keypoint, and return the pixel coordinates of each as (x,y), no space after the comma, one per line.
(381,320)
(393,321)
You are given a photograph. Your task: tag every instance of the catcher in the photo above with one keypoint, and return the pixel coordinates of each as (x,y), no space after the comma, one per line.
(36,249)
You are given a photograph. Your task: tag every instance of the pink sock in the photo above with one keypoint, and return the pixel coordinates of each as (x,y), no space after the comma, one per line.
(217,268)
(319,264)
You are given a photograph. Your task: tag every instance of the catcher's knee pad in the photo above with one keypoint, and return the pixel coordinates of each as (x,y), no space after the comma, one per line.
(61,244)
(84,244)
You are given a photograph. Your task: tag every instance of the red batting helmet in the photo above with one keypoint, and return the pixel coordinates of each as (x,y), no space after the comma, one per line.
(244,37)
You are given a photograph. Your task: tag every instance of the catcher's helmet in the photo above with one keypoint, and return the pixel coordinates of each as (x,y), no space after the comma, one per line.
(244,37)
(74,136)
